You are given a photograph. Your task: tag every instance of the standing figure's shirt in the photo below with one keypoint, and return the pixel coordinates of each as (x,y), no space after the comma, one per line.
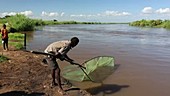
(4,33)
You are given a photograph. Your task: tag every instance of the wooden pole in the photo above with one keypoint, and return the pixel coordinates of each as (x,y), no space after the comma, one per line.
(25,41)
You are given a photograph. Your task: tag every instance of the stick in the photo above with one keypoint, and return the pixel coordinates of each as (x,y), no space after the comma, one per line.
(38,52)
(86,74)
(82,68)
(80,65)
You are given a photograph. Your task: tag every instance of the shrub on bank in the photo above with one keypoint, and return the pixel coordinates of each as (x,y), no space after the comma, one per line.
(166,24)
(20,23)
(151,23)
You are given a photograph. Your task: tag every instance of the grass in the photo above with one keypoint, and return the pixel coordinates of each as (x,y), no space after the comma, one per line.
(16,40)
(16,36)
(3,58)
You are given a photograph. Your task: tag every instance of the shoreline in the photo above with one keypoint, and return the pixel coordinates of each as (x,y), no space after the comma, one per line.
(23,74)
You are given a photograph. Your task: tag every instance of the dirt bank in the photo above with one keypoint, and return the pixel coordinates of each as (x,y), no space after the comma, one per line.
(23,75)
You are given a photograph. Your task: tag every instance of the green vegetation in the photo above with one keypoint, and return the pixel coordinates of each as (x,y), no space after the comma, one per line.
(152,23)
(20,23)
(16,36)
(3,58)
(55,22)
(16,40)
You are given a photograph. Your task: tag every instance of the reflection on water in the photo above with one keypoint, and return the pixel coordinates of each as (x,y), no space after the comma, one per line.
(143,53)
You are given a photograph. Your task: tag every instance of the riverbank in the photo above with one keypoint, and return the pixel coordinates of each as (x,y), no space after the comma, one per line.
(23,74)
(152,23)
(21,23)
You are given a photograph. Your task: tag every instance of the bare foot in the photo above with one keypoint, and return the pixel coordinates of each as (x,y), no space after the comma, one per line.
(62,92)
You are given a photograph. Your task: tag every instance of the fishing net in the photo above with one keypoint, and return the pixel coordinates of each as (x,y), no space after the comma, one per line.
(97,69)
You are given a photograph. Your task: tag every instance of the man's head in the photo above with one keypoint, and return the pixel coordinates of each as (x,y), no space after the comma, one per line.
(74,41)
(4,26)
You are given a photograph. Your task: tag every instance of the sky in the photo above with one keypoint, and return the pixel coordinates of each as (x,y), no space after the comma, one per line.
(88,10)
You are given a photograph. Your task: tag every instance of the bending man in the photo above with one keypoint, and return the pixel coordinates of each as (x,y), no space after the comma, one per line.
(60,50)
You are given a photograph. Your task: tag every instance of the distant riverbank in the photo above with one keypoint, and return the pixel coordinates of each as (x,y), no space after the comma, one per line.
(152,23)
(18,23)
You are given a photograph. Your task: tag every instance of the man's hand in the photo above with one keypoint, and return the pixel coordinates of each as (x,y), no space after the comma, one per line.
(58,55)
(71,62)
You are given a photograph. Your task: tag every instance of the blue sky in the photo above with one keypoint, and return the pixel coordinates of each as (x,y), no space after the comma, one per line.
(88,10)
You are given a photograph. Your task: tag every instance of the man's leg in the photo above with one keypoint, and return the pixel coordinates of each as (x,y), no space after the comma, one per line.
(55,73)
(58,78)
(53,77)
(66,82)
(61,91)
(4,45)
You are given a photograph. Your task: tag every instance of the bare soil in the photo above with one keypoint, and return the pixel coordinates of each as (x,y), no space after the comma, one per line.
(24,75)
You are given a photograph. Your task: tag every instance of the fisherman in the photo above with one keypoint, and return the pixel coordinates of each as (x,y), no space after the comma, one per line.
(59,50)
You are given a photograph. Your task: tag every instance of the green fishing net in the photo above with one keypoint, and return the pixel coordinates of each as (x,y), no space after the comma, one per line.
(97,69)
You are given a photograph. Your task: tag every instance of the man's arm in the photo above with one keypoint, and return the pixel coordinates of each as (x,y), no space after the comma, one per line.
(63,53)
(68,58)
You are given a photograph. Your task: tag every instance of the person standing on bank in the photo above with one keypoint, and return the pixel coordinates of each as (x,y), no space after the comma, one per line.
(4,33)
(60,50)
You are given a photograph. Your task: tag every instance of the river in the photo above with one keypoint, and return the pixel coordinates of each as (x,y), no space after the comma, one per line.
(142,53)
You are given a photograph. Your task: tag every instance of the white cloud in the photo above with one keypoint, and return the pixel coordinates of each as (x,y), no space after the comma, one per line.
(147,10)
(7,13)
(116,13)
(106,13)
(62,14)
(163,11)
(43,13)
(27,13)
(50,14)
(149,13)
(80,15)
(11,13)
(53,14)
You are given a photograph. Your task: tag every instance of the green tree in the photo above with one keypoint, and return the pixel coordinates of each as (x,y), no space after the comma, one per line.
(21,23)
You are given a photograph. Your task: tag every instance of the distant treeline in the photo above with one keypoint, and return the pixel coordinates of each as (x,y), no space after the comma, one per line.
(151,23)
(18,23)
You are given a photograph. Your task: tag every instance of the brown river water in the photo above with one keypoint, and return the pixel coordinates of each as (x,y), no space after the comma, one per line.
(143,55)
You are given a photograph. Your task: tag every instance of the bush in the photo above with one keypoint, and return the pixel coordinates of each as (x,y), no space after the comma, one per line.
(20,23)
(12,30)
(166,24)
(151,23)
